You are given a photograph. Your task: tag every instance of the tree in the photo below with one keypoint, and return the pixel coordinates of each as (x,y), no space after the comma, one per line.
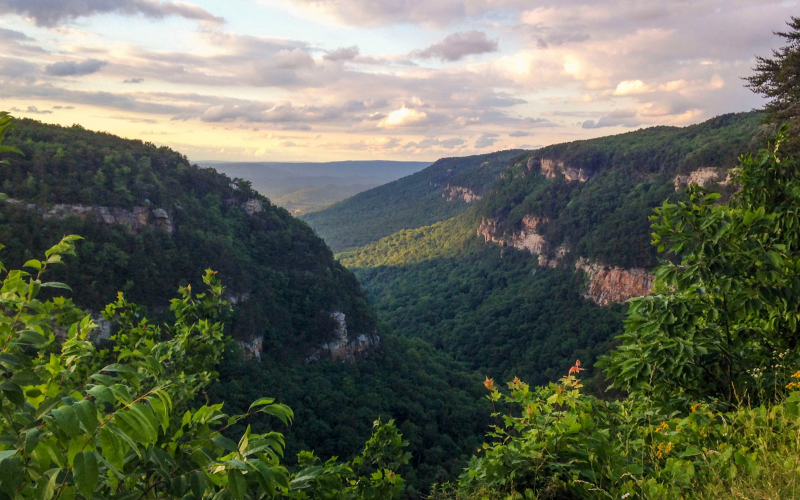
(723,323)
(778,78)
(5,125)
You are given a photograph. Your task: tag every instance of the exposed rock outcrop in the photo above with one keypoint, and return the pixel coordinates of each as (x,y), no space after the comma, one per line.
(136,218)
(550,168)
(343,348)
(614,284)
(525,239)
(703,177)
(252,349)
(455,192)
(253,206)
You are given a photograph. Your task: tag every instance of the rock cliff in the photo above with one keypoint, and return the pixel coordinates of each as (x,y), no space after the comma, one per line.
(455,192)
(525,239)
(135,219)
(614,284)
(550,168)
(703,177)
(343,348)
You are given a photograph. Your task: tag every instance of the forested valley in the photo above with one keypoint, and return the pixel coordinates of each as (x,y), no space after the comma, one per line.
(610,318)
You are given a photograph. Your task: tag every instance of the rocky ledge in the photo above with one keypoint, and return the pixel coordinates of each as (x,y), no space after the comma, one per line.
(703,177)
(136,218)
(550,168)
(457,192)
(525,239)
(614,284)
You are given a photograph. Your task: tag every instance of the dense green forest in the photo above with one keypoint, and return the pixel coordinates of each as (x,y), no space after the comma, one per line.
(285,296)
(282,280)
(628,175)
(494,309)
(410,202)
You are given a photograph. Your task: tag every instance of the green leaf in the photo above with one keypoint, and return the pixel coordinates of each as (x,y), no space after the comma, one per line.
(237,485)
(85,473)
(225,443)
(198,483)
(48,488)
(67,420)
(113,448)
(87,415)
(55,284)
(261,402)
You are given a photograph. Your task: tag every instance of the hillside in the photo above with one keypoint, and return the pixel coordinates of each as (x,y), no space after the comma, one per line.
(306,333)
(303,187)
(437,193)
(473,285)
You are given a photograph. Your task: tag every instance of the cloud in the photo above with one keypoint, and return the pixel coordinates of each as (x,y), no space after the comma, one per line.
(622,118)
(35,111)
(631,87)
(342,54)
(451,143)
(459,45)
(499,101)
(403,117)
(519,133)
(133,80)
(486,140)
(14,35)
(72,68)
(54,12)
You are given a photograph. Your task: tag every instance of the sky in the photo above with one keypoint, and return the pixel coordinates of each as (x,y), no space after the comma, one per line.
(325,80)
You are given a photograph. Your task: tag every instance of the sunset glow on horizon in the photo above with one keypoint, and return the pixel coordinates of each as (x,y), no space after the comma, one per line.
(323,80)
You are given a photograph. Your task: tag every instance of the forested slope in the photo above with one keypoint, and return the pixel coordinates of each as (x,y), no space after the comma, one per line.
(151,222)
(473,286)
(414,201)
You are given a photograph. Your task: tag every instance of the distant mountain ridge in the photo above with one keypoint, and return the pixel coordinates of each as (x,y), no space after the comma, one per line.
(306,186)
(434,194)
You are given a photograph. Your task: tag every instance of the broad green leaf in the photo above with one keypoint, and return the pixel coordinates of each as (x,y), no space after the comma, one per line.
(67,420)
(85,473)
(237,485)
(113,448)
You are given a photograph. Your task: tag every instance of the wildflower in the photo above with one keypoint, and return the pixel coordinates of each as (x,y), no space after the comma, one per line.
(489,383)
(663,427)
(793,385)
(796,375)
(696,406)
(626,495)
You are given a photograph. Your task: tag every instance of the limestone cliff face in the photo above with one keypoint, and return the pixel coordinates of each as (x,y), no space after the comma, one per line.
(525,239)
(551,167)
(703,177)
(614,284)
(457,192)
(135,219)
(343,348)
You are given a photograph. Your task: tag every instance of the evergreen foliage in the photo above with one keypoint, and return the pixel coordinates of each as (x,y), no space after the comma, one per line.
(778,78)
